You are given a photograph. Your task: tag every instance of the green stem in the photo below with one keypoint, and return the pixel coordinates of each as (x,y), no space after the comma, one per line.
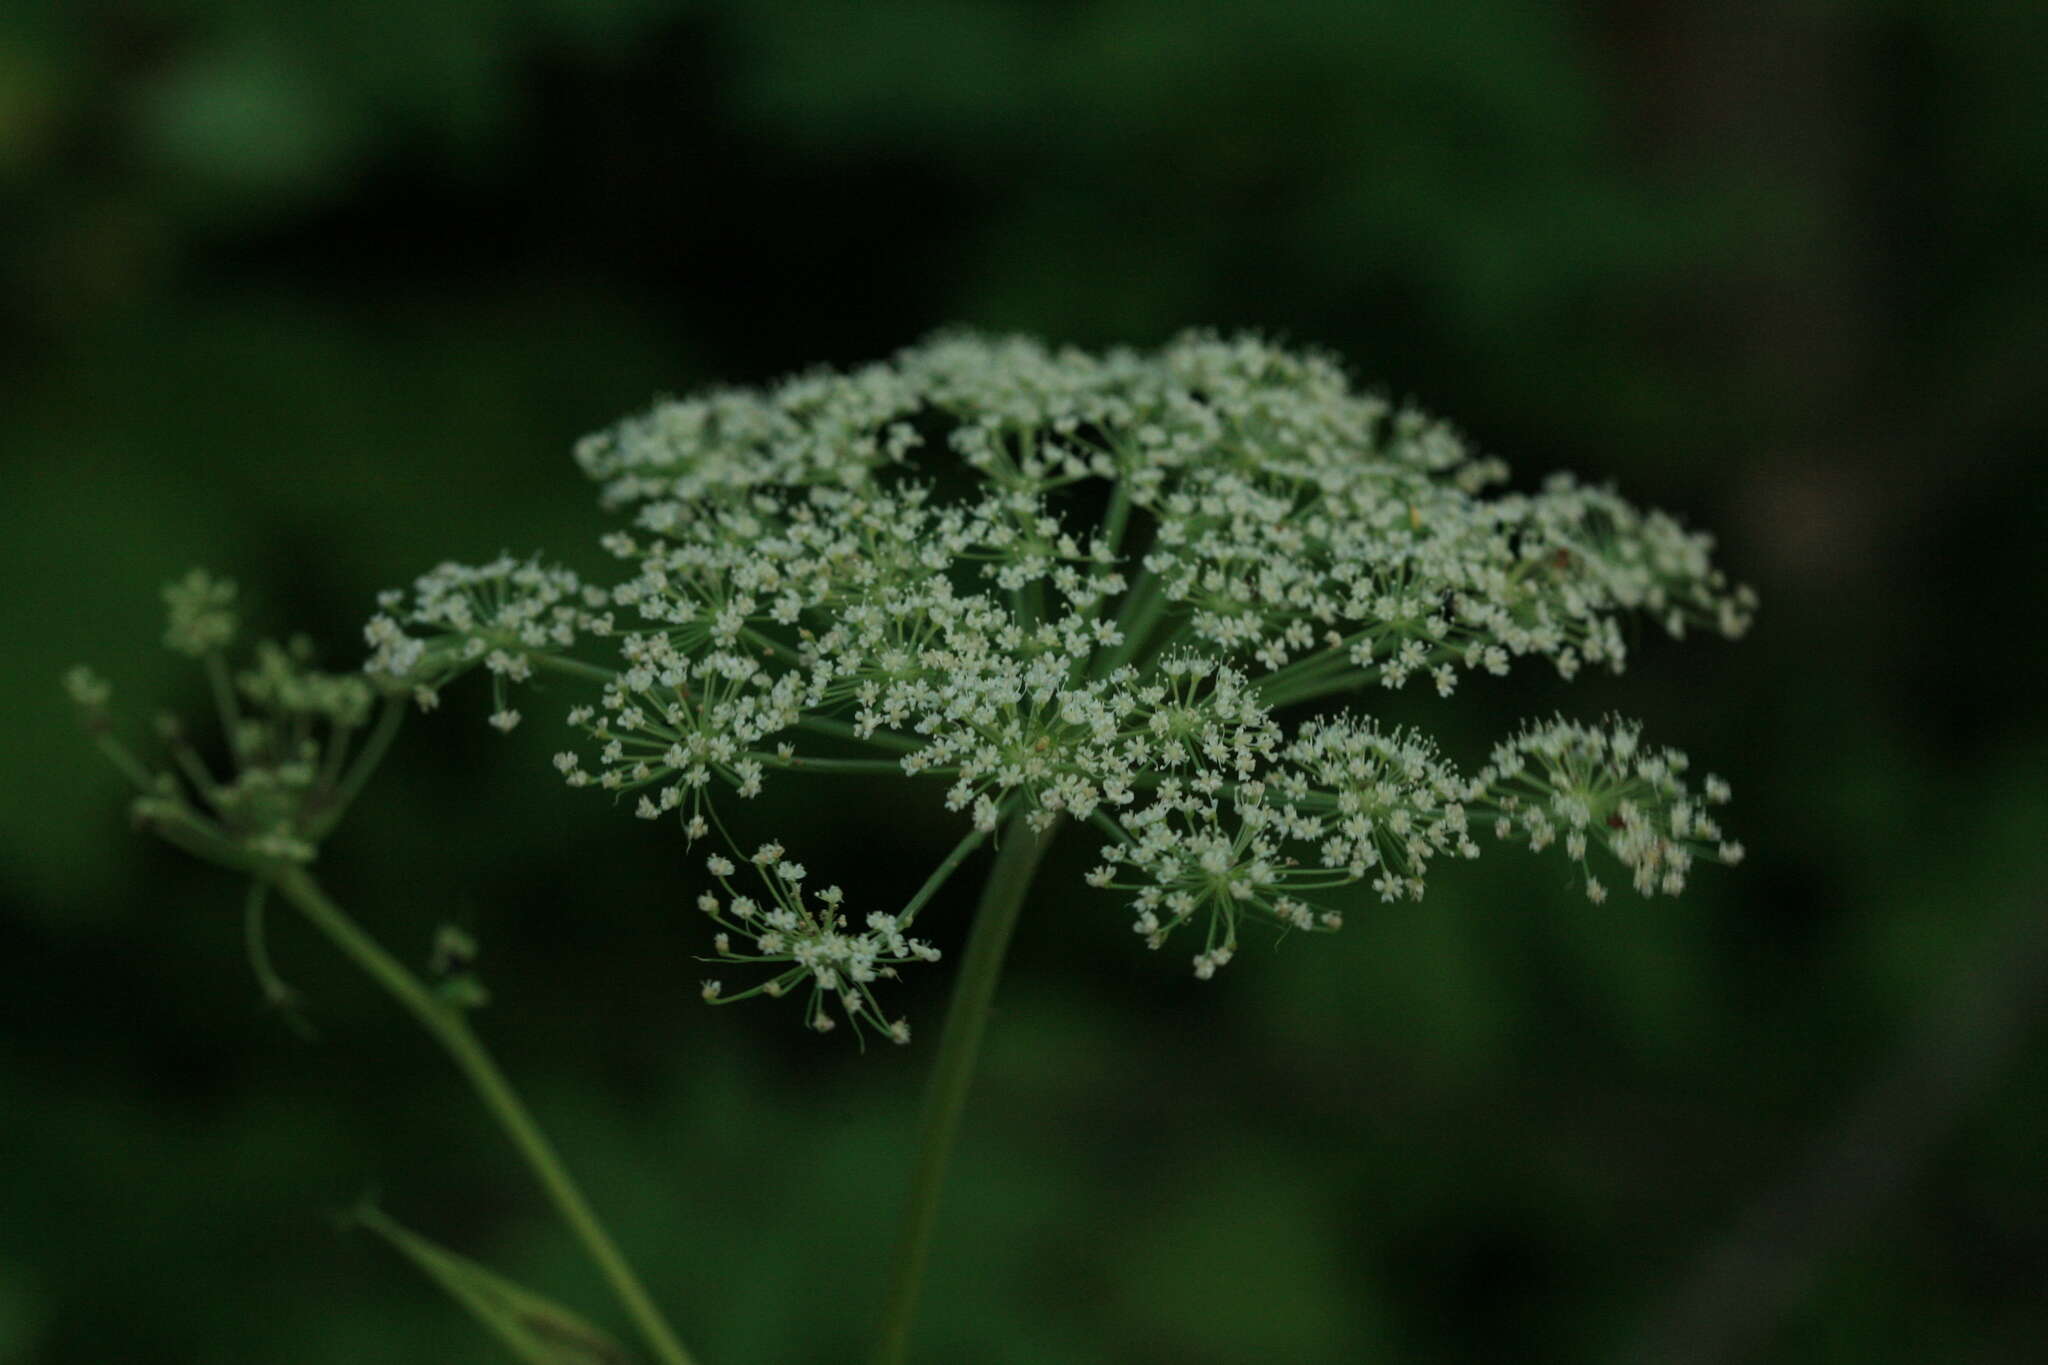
(772,645)
(944,870)
(1002,898)
(1307,663)
(174,822)
(223,689)
(1163,642)
(333,757)
(1105,822)
(366,763)
(453,1033)
(119,754)
(1117,517)
(275,992)
(840,729)
(872,767)
(1111,535)
(195,770)
(573,668)
(1142,607)
(1311,689)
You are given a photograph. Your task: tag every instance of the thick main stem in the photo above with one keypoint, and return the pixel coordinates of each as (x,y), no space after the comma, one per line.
(995,919)
(453,1033)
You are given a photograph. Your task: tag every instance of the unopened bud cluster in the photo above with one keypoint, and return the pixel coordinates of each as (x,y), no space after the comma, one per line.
(286,732)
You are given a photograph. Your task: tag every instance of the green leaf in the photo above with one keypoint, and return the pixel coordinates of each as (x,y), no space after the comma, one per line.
(534,1329)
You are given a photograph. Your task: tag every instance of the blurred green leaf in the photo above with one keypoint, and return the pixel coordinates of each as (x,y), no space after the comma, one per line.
(537,1330)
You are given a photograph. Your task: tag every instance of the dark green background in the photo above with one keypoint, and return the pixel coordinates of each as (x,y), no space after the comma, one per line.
(319,294)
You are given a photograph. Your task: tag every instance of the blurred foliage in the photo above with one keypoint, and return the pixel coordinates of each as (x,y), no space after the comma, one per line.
(318,295)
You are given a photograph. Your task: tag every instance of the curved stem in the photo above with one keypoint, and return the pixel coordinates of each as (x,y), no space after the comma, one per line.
(255,943)
(453,1033)
(1002,898)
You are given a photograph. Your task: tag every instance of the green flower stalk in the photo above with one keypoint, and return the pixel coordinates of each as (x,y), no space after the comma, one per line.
(296,762)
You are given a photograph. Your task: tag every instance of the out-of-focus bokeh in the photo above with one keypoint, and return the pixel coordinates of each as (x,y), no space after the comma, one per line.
(319,295)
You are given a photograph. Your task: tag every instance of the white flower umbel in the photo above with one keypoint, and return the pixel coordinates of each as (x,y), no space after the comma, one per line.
(1600,786)
(811,942)
(1097,587)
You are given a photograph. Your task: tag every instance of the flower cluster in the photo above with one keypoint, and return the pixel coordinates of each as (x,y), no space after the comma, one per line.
(1604,786)
(497,614)
(288,730)
(810,943)
(1094,588)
